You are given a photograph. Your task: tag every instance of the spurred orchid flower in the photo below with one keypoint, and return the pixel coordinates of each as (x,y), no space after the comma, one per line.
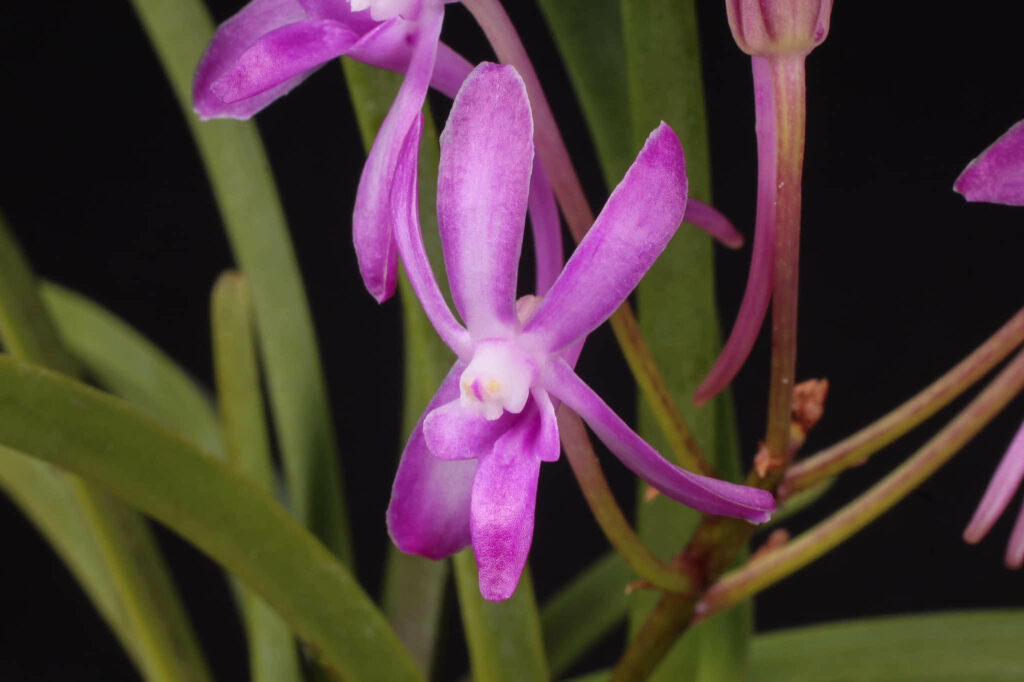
(270,46)
(469,471)
(997,176)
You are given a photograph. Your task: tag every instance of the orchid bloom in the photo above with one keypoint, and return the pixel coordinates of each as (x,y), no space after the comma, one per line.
(270,46)
(997,176)
(469,472)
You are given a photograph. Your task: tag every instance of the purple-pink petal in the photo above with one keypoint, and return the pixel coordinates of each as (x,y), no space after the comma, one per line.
(548,446)
(502,509)
(430,499)
(705,494)
(280,55)
(1015,549)
(632,230)
(997,175)
(405,208)
(482,190)
(232,38)
(758,293)
(711,221)
(454,432)
(547,230)
(371,219)
(1001,487)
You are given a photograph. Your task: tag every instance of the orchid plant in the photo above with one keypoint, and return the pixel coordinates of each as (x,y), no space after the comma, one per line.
(99,429)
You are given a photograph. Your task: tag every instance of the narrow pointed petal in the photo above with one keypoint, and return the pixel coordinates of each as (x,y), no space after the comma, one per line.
(430,499)
(758,293)
(502,511)
(707,495)
(1001,488)
(405,214)
(547,230)
(371,219)
(548,446)
(1015,550)
(482,189)
(450,70)
(232,38)
(997,175)
(453,432)
(632,230)
(281,55)
(710,220)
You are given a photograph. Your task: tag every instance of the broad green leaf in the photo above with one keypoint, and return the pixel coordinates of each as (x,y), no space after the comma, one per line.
(413,586)
(676,308)
(244,188)
(585,611)
(109,548)
(223,513)
(273,655)
(504,638)
(964,646)
(129,365)
(589,37)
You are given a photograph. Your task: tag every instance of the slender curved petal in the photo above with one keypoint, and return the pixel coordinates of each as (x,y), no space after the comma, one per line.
(232,38)
(482,190)
(453,432)
(758,293)
(997,175)
(548,446)
(282,54)
(1015,549)
(1001,488)
(430,499)
(708,495)
(405,207)
(710,220)
(632,230)
(547,230)
(502,510)
(371,220)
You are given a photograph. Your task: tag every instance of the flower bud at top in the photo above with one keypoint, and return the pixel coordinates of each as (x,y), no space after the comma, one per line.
(766,28)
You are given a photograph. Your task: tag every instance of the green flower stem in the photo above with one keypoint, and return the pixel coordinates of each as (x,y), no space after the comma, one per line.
(607,512)
(789,89)
(858,447)
(769,568)
(254,220)
(109,547)
(273,655)
(491,17)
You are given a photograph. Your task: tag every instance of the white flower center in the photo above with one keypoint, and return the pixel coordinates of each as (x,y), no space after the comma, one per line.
(498,378)
(382,10)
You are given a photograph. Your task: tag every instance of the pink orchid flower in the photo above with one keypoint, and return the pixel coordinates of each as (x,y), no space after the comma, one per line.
(468,475)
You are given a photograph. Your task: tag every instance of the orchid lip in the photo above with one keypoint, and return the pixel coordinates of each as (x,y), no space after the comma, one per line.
(497,379)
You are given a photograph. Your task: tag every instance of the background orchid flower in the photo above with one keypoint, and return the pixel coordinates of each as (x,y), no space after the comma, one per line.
(997,176)
(270,46)
(469,471)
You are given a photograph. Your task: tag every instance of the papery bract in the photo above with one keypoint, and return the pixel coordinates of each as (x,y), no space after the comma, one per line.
(469,471)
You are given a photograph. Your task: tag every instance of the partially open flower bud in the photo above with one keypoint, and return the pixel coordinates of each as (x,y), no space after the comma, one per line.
(765,28)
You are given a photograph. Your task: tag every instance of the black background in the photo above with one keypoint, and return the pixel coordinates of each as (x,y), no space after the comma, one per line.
(900,278)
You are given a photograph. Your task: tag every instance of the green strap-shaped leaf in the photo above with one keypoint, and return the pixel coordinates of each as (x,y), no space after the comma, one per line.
(273,655)
(413,586)
(109,548)
(505,644)
(208,503)
(585,611)
(965,646)
(589,37)
(129,365)
(243,185)
(676,307)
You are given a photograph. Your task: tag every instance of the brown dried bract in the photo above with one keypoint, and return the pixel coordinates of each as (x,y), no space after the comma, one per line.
(809,402)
